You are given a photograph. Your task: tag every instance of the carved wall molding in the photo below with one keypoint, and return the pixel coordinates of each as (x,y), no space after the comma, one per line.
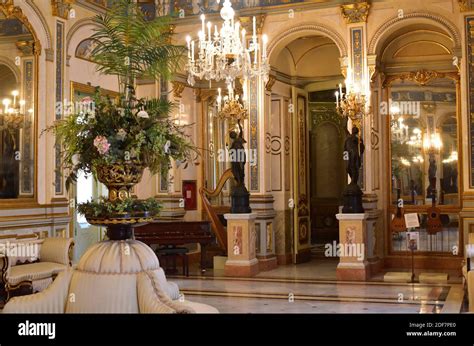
(11,11)
(387,26)
(25,47)
(43,21)
(203,95)
(178,88)
(61,8)
(312,27)
(323,113)
(372,72)
(421,77)
(355,13)
(271,81)
(464,5)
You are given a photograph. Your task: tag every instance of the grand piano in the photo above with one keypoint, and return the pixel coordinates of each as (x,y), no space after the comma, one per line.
(172,232)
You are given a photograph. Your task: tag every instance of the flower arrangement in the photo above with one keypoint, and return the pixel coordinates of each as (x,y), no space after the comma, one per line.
(122,131)
(116,138)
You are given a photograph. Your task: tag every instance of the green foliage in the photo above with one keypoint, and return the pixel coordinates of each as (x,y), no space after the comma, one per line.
(136,131)
(105,208)
(130,47)
(126,129)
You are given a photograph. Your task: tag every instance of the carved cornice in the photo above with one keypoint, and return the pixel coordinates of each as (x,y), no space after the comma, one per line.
(270,83)
(25,47)
(61,8)
(464,5)
(372,72)
(11,11)
(178,88)
(421,77)
(355,13)
(204,94)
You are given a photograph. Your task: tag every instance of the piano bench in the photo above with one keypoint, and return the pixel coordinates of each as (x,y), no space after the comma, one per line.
(165,253)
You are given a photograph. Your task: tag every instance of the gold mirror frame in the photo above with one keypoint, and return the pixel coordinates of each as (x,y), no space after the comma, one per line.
(10,11)
(423,78)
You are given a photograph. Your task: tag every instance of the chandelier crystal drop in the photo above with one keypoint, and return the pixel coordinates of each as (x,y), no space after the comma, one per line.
(224,54)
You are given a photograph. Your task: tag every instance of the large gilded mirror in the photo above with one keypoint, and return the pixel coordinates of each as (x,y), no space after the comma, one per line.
(18,64)
(424,152)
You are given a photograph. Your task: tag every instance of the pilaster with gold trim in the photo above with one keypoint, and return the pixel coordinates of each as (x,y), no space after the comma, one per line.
(169,188)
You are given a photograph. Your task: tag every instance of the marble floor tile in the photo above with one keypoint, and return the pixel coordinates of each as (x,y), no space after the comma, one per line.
(265,305)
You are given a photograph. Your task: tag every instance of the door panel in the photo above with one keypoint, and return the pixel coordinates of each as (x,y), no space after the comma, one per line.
(302,222)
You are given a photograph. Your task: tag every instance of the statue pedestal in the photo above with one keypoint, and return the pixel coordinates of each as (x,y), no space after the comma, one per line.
(352,199)
(241,239)
(352,251)
(240,200)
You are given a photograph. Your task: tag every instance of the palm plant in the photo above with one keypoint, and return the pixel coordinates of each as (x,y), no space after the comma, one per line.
(118,138)
(132,47)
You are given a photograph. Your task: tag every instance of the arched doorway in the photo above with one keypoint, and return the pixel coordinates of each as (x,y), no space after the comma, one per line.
(307,68)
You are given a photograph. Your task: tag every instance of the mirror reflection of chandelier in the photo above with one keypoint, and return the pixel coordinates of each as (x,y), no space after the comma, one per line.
(225,54)
(12,114)
(432,142)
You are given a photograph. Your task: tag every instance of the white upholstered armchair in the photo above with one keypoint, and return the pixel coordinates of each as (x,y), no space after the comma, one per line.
(111,277)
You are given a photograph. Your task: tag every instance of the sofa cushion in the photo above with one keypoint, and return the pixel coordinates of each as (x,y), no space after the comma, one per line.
(33,271)
(21,251)
(102,293)
(55,250)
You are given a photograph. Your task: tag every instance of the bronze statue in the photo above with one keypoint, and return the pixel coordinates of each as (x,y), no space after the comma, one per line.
(238,150)
(354,147)
(240,197)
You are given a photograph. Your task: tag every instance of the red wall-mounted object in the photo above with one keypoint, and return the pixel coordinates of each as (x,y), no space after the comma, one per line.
(190,194)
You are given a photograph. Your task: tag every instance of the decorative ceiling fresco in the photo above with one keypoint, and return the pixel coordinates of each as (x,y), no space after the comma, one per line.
(194,7)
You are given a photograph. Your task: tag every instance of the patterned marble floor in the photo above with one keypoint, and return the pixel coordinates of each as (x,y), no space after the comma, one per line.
(280,295)
(316,269)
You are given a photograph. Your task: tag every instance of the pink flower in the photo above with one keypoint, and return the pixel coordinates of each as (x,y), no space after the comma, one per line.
(102,145)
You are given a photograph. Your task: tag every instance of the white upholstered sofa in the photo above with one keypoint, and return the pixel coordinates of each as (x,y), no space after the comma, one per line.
(31,263)
(111,277)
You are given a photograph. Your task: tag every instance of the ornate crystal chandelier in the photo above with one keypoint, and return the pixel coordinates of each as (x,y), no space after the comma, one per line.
(225,54)
(12,115)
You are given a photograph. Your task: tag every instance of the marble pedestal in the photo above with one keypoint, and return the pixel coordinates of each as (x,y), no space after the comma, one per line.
(241,239)
(352,251)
